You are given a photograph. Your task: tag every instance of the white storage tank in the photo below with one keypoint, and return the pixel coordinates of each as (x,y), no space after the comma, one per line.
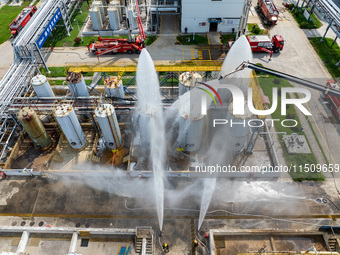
(239,132)
(132,20)
(114,19)
(190,129)
(114,87)
(187,81)
(41,86)
(96,18)
(116,3)
(101,8)
(77,85)
(69,124)
(108,123)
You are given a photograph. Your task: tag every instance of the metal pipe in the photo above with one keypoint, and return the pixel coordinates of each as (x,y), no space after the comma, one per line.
(292,78)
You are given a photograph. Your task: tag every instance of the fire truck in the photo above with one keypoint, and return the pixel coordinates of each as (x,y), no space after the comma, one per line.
(333,101)
(263,43)
(268,11)
(115,45)
(21,20)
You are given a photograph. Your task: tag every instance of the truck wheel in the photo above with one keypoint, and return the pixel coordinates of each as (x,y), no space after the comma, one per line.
(138,51)
(129,51)
(276,50)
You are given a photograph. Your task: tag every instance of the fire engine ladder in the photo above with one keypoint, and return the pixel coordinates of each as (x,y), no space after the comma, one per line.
(108,50)
(139,21)
(268,51)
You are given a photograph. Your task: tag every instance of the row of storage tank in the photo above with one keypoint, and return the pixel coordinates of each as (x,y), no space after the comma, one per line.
(190,129)
(70,126)
(66,116)
(113,86)
(114,10)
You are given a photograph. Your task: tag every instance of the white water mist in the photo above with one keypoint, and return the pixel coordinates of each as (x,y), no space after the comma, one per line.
(149,107)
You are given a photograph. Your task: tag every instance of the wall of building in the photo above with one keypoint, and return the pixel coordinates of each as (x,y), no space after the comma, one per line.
(196,15)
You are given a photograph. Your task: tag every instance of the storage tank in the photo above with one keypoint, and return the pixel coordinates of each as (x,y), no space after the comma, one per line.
(96,18)
(132,20)
(77,85)
(114,19)
(33,127)
(69,124)
(101,8)
(114,87)
(108,123)
(187,81)
(190,129)
(239,132)
(117,4)
(41,86)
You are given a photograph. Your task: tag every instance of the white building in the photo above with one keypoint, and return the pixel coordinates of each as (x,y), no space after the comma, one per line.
(202,16)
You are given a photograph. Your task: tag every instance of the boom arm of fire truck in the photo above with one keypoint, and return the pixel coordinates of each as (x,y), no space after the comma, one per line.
(288,77)
(140,25)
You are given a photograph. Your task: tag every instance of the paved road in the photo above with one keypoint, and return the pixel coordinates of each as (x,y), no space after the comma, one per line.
(299,58)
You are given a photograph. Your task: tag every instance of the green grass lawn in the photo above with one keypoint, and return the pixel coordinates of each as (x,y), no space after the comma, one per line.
(55,71)
(329,54)
(58,38)
(254,29)
(199,40)
(299,159)
(225,37)
(301,20)
(7,15)
(150,39)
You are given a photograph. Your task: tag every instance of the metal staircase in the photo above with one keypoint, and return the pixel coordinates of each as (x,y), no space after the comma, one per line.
(144,241)
(332,244)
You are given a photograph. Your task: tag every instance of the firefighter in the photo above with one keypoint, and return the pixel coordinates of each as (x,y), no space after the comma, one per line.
(196,244)
(166,247)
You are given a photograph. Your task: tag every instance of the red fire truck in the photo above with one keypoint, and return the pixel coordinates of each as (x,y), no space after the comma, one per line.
(114,45)
(268,11)
(21,20)
(263,43)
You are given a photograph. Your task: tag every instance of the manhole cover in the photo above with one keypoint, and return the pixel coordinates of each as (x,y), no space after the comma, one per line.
(41,223)
(23,223)
(14,223)
(32,223)
(77,225)
(87,225)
